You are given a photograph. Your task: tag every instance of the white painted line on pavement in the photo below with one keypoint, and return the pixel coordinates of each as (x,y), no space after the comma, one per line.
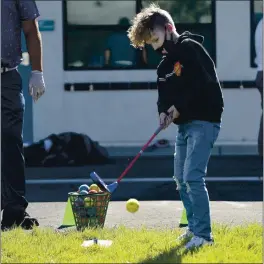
(83,180)
(235,204)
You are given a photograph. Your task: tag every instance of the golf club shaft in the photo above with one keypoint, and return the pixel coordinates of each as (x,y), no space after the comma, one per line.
(139,154)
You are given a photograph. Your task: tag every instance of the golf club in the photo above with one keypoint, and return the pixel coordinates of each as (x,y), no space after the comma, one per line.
(112,187)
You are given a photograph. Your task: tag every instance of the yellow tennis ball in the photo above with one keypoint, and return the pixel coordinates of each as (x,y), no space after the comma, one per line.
(94,187)
(88,202)
(132,205)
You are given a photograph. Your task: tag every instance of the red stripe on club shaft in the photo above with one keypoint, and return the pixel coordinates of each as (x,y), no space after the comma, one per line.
(135,159)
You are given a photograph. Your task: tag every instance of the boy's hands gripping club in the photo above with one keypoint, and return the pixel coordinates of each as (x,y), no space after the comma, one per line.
(166,119)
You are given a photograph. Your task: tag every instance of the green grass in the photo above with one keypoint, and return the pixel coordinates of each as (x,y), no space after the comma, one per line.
(240,244)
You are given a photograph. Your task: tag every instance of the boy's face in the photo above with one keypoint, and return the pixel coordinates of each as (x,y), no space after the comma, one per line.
(157,38)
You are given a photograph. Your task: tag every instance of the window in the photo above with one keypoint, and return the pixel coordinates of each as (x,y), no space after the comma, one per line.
(107,48)
(256,11)
(95,32)
(187,11)
(99,12)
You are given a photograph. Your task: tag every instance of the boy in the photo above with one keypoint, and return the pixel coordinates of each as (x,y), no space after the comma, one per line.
(189,96)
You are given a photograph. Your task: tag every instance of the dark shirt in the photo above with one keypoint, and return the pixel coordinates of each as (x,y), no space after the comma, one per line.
(187,79)
(13,12)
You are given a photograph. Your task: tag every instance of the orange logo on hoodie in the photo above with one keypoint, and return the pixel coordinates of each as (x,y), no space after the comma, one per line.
(177,68)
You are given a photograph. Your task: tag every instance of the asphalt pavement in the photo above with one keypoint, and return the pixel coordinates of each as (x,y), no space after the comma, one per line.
(153,214)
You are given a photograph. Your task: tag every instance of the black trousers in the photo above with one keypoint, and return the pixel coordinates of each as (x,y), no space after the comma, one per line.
(259,84)
(12,157)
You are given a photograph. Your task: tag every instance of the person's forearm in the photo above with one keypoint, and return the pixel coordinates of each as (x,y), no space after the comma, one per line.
(34,47)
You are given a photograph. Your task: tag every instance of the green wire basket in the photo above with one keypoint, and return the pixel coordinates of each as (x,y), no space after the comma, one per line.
(89,210)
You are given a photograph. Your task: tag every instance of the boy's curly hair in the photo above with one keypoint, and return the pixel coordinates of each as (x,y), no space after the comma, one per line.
(144,22)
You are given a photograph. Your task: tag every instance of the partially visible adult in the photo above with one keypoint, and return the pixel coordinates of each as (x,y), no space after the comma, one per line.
(17,15)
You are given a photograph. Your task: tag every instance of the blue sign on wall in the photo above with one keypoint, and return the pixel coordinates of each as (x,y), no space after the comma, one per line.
(46,25)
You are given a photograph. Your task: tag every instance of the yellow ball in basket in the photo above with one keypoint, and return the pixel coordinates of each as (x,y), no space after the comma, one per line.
(94,187)
(132,205)
(88,202)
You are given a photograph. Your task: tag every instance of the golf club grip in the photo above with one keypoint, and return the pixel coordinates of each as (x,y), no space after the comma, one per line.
(139,154)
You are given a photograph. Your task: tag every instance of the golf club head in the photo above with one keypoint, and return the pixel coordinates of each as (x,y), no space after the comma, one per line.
(111,187)
(97,180)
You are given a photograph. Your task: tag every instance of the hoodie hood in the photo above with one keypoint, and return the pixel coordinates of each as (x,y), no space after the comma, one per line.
(187,34)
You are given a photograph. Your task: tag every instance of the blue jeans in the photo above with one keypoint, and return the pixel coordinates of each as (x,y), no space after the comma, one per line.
(193,146)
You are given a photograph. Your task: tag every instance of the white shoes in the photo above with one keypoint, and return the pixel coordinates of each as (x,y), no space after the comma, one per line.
(186,235)
(196,242)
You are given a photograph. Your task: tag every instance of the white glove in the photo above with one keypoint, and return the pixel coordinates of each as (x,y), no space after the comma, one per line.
(36,85)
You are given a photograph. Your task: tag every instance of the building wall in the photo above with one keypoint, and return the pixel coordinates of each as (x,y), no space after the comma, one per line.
(129,117)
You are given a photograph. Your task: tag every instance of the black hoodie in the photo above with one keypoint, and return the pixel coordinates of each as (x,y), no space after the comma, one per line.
(188,80)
